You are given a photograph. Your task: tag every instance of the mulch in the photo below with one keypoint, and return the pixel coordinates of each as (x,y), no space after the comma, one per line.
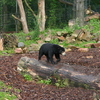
(33,91)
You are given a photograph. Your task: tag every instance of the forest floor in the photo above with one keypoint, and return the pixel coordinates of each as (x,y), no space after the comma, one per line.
(32,91)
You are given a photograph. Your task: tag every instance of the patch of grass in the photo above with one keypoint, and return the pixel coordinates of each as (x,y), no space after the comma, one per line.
(5,93)
(80,44)
(93,26)
(55,41)
(47,81)
(57,81)
(54,80)
(7,96)
(7,52)
(27,76)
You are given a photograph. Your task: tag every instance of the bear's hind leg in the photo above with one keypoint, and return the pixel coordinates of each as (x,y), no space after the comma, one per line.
(40,55)
(47,58)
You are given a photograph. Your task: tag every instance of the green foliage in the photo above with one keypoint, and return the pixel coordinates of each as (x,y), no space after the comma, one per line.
(54,80)
(70,30)
(81,44)
(7,2)
(36,29)
(6,94)
(93,26)
(22,38)
(27,76)
(47,81)
(55,41)
(60,82)
(52,14)
(57,81)
(6,52)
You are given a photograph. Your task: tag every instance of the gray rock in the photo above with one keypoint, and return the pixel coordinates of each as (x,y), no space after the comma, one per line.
(21,45)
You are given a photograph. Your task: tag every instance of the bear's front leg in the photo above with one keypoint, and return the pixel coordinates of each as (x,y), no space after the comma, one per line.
(52,61)
(50,55)
(57,57)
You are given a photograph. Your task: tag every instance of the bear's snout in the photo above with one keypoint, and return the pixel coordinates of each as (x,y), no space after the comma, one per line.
(63,53)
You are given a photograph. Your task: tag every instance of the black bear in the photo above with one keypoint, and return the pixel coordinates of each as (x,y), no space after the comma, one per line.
(49,50)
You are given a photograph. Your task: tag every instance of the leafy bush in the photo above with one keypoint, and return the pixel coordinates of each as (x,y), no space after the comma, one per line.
(93,26)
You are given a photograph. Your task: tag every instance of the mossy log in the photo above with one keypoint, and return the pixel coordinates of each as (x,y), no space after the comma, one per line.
(35,67)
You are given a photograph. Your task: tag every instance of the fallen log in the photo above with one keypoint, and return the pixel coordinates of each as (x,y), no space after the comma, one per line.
(35,67)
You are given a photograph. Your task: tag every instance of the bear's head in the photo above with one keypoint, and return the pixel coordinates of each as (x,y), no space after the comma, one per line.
(62,51)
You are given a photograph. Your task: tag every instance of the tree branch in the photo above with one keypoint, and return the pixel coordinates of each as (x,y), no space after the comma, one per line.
(16,18)
(30,8)
(65,2)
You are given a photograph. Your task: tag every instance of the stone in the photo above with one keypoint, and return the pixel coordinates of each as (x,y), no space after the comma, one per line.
(81,35)
(28,38)
(84,35)
(21,45)
(70,39)
(67,50)
(95,45)
(98,42)
(76,32)
(18,50)
(47,39)
(88,45)
(83,49)
(59,33)
(71,23)
(94,16)
(72,47)
(74,35)
(40,41)
(88,57)
(61,38)
(25,50)
(96,38)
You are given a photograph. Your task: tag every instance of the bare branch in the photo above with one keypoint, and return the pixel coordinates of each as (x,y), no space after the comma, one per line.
(30,8)
(16,18)
(65,2)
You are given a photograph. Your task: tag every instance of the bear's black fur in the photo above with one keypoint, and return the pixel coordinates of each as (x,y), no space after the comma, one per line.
(49,50)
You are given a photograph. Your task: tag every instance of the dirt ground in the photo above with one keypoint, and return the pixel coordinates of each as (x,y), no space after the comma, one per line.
(33,91)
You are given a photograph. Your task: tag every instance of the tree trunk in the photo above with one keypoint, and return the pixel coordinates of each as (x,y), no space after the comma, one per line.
(23,17)
(79,12)
(41,14)
(35,67)
(1,43)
